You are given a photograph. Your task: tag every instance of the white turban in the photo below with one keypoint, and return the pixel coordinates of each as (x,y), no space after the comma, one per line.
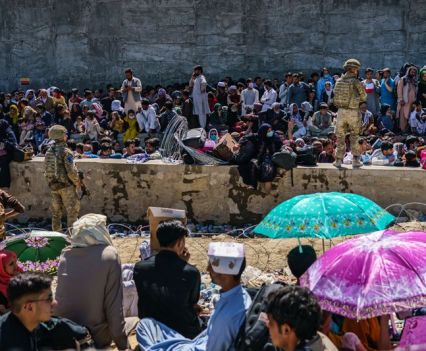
(90,230)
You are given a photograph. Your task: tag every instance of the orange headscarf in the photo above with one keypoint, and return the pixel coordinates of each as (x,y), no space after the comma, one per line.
(5,258)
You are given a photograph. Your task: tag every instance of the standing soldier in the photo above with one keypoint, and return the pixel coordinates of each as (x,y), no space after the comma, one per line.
(348,94)
(62,176)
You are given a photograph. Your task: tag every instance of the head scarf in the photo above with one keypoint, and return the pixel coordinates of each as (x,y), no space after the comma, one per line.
(14,114)
(28,93)
(29,112)
(263,130)
(407,78)
(116,106)
(98,110)
(90,230)
(5,258)
(307,107)
(162,92)
(295,115)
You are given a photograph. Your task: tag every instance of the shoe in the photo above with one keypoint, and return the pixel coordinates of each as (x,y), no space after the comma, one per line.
(356,163)
(337,163)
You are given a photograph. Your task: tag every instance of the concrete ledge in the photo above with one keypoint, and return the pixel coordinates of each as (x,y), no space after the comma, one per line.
(215,194)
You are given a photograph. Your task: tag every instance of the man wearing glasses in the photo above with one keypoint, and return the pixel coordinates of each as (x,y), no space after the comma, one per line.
(31,303)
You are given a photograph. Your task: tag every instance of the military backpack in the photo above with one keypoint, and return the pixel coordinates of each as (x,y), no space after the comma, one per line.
(343,92)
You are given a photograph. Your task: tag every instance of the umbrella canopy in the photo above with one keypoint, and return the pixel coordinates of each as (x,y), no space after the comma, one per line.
(324,215)
(36,246)
(371,275)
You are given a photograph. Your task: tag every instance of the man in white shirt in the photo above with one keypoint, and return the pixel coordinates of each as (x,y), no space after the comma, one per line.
(147,118)
(198,86)
(249,97)
(131,90)
(269,96)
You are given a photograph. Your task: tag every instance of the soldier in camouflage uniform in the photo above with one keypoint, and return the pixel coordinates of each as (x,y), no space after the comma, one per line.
(8,201)
(348,94)
(62,177)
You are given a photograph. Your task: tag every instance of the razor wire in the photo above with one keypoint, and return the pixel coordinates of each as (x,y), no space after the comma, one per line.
(172,146)
(170,149)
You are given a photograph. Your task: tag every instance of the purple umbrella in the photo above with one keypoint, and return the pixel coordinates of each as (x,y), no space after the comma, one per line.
(371,275)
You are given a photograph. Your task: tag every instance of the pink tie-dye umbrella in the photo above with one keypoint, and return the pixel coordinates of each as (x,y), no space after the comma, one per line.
(371,275)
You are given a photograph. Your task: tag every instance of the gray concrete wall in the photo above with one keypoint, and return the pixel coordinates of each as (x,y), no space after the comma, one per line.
(86,43)
(213,194)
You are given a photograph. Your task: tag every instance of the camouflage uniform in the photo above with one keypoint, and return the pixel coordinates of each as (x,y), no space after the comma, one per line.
(7,201)
(348,94)
(62,177)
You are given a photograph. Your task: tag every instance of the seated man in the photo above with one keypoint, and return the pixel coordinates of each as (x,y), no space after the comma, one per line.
(383,156)
(294,318)
(226,265)
(169,287)
(327,156)
(321,122)
(151,148)
(31,303)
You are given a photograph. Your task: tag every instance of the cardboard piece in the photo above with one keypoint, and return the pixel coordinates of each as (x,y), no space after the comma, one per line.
(225,147)
(156,215)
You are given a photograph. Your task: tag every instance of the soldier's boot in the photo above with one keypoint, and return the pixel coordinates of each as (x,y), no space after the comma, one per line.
(338,163)
(356,163)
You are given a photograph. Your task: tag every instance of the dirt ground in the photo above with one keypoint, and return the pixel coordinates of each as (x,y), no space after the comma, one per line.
(268,255)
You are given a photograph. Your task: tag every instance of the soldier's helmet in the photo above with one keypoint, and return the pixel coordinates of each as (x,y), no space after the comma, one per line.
(57,132)
(351,63)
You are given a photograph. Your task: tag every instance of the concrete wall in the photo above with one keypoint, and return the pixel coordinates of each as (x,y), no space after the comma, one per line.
(86,43)
(213,194)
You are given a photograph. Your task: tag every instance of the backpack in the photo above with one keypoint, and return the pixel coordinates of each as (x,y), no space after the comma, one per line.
(284,159)
(63,334)
(195,138)
(254,333)
(54,170)
(343,92)
(267,170)
(306,157)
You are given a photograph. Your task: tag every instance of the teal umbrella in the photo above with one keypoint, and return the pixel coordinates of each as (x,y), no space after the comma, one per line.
(325,216)
(36,246)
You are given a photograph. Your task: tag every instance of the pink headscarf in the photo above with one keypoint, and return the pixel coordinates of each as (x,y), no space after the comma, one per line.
(5,258)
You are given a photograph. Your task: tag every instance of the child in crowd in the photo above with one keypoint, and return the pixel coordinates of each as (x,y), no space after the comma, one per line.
(116,124)
(78,125)
(8,269)
(416,123)
(27,125)
(131,126)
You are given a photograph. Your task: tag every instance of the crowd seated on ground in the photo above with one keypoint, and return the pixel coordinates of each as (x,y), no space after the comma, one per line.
(103,124)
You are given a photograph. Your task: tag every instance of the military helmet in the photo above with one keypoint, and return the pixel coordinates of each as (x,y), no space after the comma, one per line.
(352,63)
(57,132)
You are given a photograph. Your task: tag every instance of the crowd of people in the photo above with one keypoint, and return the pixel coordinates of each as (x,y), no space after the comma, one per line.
(88,303)
(298,112)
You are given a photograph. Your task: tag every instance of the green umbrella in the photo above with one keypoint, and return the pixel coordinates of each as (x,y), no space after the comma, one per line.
(36,246)
(325,216)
